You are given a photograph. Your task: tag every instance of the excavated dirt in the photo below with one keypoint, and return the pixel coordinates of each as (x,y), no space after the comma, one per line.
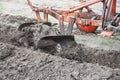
(20,60)
(26,64)
(93,58)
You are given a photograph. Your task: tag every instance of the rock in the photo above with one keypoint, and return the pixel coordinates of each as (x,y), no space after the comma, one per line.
(5,51)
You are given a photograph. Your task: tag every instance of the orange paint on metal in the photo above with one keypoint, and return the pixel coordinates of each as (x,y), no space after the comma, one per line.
(88,29)
(85,4)
(86,22)
(113,8)
(38,16)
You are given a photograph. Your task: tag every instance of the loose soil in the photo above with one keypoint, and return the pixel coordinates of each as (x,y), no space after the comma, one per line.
(26,64)
(19,60)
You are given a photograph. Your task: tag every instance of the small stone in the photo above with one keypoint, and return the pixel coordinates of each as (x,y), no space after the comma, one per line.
(5,50)
(27,78)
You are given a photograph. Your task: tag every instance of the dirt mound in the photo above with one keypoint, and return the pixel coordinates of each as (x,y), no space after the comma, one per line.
(19,59)
(5,51)
(29,37)
(9,26)
(27,64)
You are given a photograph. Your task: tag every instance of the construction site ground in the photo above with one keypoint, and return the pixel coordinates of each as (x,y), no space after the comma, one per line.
(93,58)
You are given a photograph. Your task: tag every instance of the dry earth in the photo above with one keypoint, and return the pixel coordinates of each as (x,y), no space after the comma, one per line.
(94,58)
